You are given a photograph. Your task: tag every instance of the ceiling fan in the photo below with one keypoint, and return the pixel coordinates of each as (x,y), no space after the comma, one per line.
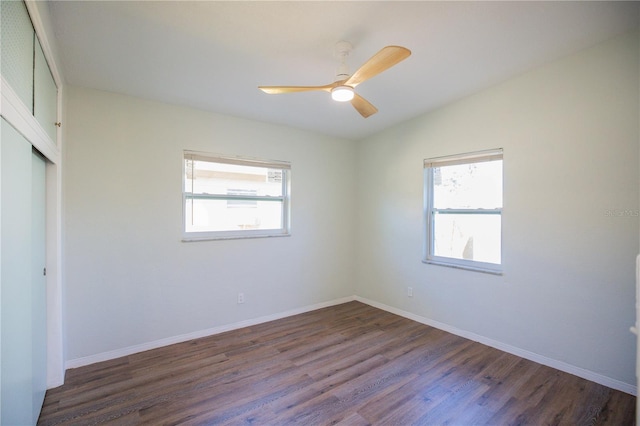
(342,89)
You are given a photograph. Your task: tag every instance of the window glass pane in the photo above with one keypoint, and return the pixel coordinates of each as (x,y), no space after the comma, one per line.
(204,177)
(468,236)
(468,186)
(204,215)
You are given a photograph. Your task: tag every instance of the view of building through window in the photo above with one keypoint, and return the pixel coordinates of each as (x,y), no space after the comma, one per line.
(231,196)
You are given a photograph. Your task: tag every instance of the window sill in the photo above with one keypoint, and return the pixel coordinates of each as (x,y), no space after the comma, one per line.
(474,268)
(193,238)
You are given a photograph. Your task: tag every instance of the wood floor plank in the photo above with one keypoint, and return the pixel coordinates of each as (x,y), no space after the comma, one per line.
(349,364)
(619,409)
(354,419)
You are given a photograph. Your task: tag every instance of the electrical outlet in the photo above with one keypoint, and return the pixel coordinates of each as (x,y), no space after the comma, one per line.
(410,291)
(240,298)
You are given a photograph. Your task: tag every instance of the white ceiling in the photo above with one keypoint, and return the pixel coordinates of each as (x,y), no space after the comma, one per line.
(213,55)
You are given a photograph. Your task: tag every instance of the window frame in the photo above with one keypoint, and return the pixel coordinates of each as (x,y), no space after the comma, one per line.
(429,211)
(285,198)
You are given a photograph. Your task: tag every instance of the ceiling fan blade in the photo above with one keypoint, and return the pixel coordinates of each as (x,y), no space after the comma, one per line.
(364,107)
(276,90)
(381,61)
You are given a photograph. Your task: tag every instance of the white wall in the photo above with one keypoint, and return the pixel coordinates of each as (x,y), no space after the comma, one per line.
(570,136)
(129,278)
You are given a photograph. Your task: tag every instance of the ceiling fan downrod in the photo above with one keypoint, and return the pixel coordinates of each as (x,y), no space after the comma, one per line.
(342,51)
(342,93)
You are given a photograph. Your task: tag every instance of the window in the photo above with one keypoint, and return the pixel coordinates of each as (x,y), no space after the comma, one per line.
(463,211)
(234,198)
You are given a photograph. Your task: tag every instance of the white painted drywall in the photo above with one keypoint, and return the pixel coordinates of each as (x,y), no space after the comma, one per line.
(570,230)
(129,277)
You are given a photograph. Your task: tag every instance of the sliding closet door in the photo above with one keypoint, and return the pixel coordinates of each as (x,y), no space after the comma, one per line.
(16,278)
(23,309)
(38,283)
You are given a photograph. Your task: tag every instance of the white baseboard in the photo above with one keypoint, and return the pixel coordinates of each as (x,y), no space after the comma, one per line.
(540,359)
(105,356)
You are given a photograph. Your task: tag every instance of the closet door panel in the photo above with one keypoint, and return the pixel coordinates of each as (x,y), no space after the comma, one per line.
(16,278)
(38,282)
(16,47)
(45,94)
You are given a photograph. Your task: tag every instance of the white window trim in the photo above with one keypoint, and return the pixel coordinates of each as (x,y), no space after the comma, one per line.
(427,248)
(285,231)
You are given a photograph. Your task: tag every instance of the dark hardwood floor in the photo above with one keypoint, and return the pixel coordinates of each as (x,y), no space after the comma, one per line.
(350,364)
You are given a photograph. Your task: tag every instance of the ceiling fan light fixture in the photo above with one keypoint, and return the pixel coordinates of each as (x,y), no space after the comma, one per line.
(342,93)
